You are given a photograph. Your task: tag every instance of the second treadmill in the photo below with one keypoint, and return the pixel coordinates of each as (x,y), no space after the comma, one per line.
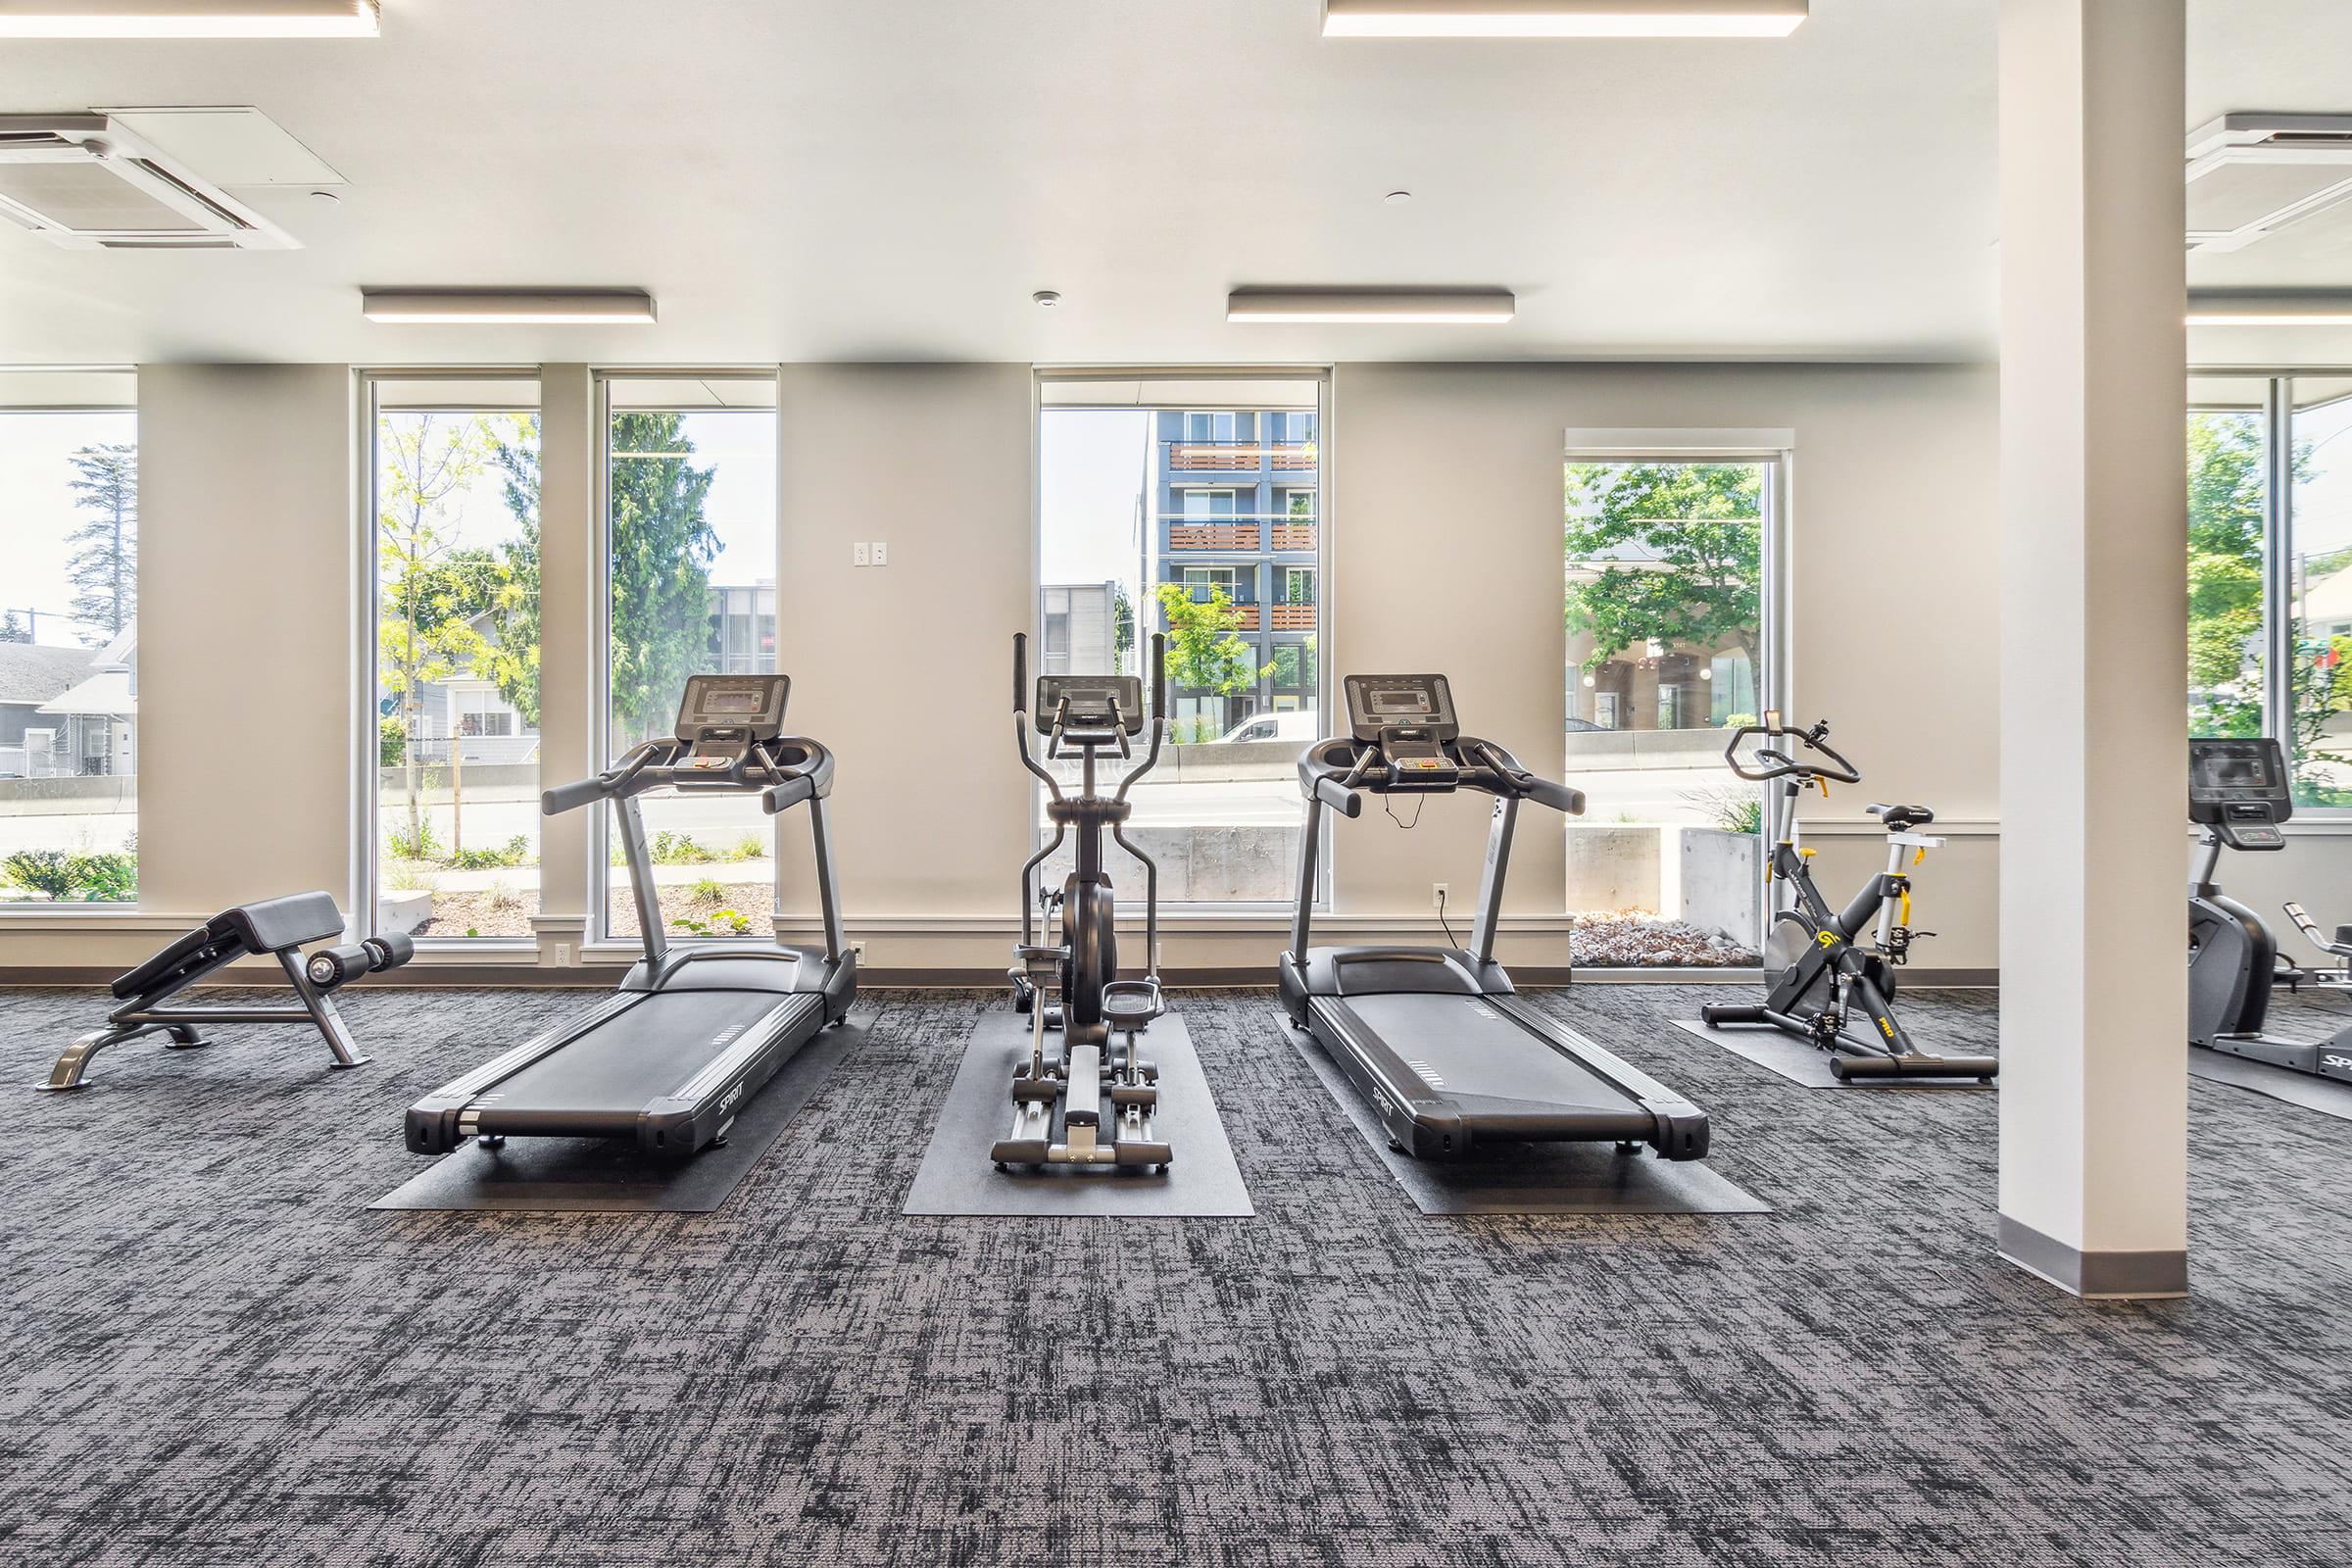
(1435,1038)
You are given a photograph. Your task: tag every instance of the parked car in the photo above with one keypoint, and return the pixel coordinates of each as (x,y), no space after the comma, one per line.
(1299,725)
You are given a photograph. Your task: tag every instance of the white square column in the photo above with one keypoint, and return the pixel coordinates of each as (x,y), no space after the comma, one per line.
(570,647)
(2093,1086)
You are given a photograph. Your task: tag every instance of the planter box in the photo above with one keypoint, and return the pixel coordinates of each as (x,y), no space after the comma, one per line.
(399,913)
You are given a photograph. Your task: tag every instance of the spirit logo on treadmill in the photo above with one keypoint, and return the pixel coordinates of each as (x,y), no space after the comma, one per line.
(2335,1062)
(727,1100)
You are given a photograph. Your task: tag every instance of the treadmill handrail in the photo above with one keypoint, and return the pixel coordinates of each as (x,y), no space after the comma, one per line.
(810,779)
(1483,766)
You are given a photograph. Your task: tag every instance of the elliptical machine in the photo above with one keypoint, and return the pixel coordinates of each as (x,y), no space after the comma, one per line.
(2238,794)
(1082,717)
(1825,978)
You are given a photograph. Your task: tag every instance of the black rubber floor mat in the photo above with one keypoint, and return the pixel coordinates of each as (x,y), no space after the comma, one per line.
(567,1175)
(957,1177)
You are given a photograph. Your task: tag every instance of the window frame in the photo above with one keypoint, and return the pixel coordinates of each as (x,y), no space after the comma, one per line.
(1128,388)
(80,912)
(2278,548)
(600,932)
(366,814)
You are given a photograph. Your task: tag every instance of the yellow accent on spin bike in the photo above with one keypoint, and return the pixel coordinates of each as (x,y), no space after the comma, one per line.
(1828,939)
(1903,909)
(1920,856)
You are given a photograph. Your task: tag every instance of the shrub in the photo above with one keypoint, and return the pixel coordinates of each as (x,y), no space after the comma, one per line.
(709,890)
(749,847)
(105,876)
(516,850)
(1733,810)
(722,924)
(1736,721)
(679,849)
(423,846)
(502,896)
(391,743)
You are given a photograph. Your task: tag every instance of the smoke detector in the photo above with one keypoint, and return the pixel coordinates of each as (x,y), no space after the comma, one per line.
(2252,174)
(86,182)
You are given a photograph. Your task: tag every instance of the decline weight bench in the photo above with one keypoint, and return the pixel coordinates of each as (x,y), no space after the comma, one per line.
(277,927)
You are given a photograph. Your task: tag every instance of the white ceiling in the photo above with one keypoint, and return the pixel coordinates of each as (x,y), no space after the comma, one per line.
(811,180)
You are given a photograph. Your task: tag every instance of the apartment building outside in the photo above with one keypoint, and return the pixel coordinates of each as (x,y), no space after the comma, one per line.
(1234,507)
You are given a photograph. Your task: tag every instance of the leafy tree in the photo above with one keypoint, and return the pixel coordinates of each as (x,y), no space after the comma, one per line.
(1122,625)
(1204,654)
(514,664)
(2225,574)
(1679,552)
(12,629)
(430,592)
(104,566)
(662,548)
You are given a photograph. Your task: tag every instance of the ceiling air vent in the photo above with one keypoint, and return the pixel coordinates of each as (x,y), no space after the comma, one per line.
(2251,174)
(84,182)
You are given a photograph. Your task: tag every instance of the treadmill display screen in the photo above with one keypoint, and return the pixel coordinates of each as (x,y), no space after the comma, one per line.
(2222,772)
(1376,703)
(755,702)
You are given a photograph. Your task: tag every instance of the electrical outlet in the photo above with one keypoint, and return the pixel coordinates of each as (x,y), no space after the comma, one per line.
(862,554)
(857,951)
(881,553)
(563,954)
(1438,893)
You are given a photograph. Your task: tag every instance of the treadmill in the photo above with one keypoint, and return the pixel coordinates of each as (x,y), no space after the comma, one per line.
(1434,1038)
(693,1031)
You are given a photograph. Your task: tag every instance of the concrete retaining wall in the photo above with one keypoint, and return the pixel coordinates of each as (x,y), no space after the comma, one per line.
(1201,864)
(1700,874)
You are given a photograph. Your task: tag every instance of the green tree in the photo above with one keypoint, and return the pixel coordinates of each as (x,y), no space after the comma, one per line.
(662,547)
(1677,553)
(1122,625)
(1204,654)
(513,662)
(2224,573)
(104,566)
(12,628)
(430,592)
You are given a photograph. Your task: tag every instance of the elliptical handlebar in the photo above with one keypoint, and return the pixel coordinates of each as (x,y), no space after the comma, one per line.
(1815,739)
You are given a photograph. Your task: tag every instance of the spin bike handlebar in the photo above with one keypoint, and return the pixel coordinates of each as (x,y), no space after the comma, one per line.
(1781,763)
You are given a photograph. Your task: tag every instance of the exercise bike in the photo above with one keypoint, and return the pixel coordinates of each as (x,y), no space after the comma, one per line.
(1826,977)
(1083,716)
(2238,797)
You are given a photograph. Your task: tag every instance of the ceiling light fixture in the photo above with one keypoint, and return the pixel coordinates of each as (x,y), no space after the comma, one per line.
(1378,306)
(534,306)
(1045,297)
(2270,306)
(1562,19)
(1397,198)
(189,18)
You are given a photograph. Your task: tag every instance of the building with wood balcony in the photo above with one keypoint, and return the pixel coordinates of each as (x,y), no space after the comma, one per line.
(1235,511)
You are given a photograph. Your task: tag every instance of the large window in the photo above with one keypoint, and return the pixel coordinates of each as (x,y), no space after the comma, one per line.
(69,641)
(690,529)
(1665,605)
(2269,570)
(456,788)
(1192,509)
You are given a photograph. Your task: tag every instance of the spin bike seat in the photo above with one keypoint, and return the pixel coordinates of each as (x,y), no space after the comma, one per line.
(1898,817)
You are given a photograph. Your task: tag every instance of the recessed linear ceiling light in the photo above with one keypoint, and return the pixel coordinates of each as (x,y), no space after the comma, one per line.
(188,18)
(513,307)
(1562,19)
(1377,305)
(2270,306)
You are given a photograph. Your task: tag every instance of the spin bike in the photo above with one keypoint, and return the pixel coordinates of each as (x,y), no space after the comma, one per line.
(1082,717)
(1825,977)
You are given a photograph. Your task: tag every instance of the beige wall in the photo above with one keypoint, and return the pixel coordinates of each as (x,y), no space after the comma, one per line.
(1446,541)
(245,651)
(1444,508)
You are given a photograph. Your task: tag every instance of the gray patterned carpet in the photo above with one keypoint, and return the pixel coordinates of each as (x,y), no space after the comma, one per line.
(216,1355)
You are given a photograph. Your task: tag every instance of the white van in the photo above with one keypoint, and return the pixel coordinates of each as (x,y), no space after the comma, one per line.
(1299,726)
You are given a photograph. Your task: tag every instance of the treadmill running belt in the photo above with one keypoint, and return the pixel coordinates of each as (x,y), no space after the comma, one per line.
(1471,1052)
(643,1054)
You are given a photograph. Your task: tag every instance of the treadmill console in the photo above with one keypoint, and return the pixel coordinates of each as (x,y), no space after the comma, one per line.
(2238,787)
(1410,720)
(1088,705)
(722,717)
